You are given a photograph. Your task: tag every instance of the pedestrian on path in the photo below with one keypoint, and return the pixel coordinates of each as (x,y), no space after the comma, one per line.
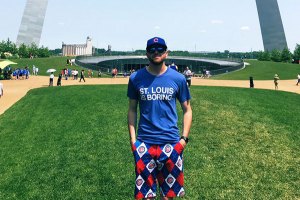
(251,82)
(276,80)
(82,76)
(59,80)
(298,77)
(51,79)
(1,90)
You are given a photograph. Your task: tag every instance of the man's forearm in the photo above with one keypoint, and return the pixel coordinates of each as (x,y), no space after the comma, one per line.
(187,122)
(187,118)
(132,125)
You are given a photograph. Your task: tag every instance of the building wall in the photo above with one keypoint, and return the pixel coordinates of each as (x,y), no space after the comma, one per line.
(271,25)
(78,49)
(32,22)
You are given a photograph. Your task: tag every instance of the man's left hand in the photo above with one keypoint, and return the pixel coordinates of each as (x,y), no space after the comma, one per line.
(182,142)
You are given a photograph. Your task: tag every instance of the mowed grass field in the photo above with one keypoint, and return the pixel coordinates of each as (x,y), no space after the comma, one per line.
(72,143)
(263,70)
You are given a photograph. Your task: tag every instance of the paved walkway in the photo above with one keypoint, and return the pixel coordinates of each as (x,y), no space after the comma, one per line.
(14,90)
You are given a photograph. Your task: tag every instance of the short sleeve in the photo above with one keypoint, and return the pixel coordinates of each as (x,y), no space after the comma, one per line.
(184,92)
(131,90)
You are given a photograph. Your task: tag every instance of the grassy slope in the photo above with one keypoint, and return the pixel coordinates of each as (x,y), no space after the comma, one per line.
(43,64)
(72,143)
(263,70)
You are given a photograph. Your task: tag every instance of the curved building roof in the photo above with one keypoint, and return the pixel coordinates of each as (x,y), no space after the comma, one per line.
(97,60)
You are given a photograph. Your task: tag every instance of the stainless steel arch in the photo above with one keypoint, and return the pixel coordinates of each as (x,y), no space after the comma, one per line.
(271,25)
(32,22)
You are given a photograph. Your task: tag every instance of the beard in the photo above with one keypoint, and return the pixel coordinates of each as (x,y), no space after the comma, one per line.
(154,62)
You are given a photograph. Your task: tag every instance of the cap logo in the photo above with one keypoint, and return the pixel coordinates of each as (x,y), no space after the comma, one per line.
(155,40)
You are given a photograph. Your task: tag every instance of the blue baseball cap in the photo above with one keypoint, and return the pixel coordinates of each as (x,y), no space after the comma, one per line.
(156,41)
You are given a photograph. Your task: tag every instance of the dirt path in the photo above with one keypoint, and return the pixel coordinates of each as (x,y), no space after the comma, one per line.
(14,90)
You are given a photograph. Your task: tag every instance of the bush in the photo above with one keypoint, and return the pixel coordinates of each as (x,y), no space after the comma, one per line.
(286,55)
(3,56)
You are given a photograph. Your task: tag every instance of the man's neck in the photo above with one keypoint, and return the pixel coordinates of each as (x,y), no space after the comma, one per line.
(157,69)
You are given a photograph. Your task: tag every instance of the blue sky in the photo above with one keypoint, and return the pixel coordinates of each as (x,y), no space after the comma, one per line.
(193,25)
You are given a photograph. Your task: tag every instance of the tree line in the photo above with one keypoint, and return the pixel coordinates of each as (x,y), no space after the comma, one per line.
(280,56)
(8,49)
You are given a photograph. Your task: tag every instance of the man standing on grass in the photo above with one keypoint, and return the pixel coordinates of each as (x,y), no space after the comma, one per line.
(158,146)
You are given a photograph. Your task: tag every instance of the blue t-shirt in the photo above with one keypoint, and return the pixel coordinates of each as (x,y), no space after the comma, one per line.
(157,104)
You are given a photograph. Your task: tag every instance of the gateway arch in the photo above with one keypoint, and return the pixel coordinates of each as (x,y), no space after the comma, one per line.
(31,27)
(271,25)
(268,11)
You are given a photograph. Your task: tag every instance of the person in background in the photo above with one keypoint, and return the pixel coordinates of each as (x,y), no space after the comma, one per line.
(173,66)
(298,77)
(51,79)
(59,80)
(1,90)
(82,76)
(251,82)
(99,73)
(33,69)
(188,76)
(276,80)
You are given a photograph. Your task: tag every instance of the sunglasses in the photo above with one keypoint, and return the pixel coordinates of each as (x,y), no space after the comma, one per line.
(158,49)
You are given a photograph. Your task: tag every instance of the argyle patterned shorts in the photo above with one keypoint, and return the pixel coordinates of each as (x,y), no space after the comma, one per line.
(158,163)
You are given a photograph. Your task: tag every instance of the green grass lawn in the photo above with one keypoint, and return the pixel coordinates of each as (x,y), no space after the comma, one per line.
(72,143)
(263,70)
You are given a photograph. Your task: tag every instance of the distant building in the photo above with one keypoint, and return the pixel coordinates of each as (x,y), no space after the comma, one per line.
(31,27)
(78,49)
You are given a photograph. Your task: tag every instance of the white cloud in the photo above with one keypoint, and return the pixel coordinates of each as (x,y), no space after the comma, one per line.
(245,28)
(202,31)
(216,21)
(61,23)
(157,27)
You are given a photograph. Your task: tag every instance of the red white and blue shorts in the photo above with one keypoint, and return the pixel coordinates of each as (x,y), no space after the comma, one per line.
(160,164)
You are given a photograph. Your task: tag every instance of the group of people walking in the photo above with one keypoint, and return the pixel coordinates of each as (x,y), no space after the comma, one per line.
(61,75)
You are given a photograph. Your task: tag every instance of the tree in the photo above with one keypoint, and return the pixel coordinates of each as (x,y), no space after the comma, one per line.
(43,52)
(286,55)
(263,56)
(23,51)
(8,46)
(276,55)
(33,49)
(297,53)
